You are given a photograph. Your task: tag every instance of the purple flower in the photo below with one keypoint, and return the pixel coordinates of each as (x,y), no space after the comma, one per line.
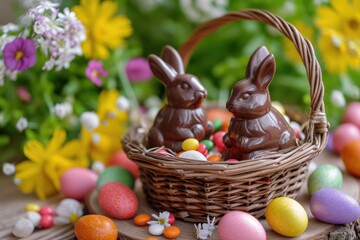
(20,54)
(138,70)
(95,71)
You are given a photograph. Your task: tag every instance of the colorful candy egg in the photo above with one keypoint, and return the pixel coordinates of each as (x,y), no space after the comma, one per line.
(78,182)
(190,144)
(325,176)
(142,219)
(240,226)
(343,134)
(193,155)
(331,205)
(156,229)
(115,174)
(118,200)
(286,217)
(171,232)
(120,159)
(350,155)
(95,227)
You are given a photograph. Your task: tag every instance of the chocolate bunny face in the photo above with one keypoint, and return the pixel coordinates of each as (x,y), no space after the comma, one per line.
(250,97)
(183,90)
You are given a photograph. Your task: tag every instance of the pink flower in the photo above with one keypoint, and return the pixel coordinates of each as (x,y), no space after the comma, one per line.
(20,54)
(23,93)
(95,71)
(138,70)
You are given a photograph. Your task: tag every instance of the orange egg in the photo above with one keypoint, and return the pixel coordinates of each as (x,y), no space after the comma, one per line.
(350,155)
(151,238)
(142,219)
(214,158)
(95,227)
(171,232)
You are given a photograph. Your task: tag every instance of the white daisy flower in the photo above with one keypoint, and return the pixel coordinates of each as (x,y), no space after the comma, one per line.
(122,103)
(201,233)
(210,225)
(337,98)
(162,219)
(68,211)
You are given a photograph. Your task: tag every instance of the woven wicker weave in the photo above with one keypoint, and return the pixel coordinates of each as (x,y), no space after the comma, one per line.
(194,189)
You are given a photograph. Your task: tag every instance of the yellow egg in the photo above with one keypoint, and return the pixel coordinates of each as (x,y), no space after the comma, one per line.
(286,217)
(32,207)
(190,144)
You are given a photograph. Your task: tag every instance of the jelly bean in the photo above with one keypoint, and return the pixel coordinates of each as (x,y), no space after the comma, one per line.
(32,207)
(46,221)
(218,140)
(161,151)
(214,158)
(208,143)
(156,229)
(46,210)
(202,149)
(172,232)
(232,160)
(217,125)
(34,217)
(190,144)
(172,219)
(23,228)
(151,238)
(193,155)
(142,219)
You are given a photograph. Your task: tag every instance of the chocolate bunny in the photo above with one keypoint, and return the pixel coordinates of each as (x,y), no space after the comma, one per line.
(255,124)
(182,116)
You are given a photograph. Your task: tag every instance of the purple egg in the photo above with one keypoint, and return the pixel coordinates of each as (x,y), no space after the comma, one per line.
(333,206)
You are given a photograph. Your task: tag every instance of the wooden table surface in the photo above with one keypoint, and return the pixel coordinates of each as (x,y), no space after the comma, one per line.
(12,203)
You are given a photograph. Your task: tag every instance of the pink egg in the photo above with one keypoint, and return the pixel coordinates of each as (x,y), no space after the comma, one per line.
(218,140)
(240,226)
(352,114)
(343,134)
(232,160)
(78,182)
(118,200)
(120,159)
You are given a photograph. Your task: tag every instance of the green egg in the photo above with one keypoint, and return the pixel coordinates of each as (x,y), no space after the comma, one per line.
(325,176)
(115,174)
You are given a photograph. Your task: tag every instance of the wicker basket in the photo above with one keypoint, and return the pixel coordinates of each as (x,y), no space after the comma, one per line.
(194,189)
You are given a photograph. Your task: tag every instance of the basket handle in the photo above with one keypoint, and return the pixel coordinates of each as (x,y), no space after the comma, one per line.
(318,124)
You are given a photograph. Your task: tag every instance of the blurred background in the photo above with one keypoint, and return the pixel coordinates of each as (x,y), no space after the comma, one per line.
(219,61)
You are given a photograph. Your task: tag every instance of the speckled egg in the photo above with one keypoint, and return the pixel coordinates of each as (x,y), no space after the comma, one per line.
(115,174)
(325,176)
(240,226)
(333,206)
(286,217)
(95,227)
(118,200)
(78,182)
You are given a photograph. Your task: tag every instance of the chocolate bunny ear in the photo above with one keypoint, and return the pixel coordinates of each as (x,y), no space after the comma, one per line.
(161,69)
(265,73)
(256,58)
(172,57)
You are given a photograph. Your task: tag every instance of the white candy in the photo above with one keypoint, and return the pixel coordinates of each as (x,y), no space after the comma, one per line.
(194,155)
(34,217)
(23,228)
(98,167)
(156,229)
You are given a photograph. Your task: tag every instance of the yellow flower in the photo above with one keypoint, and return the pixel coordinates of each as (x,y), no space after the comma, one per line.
(290,50)
(106,138)
(104,29)
(334,51)
(45,165)
(342,16)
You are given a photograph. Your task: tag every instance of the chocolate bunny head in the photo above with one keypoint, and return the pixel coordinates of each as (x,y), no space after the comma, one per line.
(183,90)
(250,97)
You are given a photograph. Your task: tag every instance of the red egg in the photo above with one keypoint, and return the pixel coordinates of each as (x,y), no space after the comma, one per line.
(120,159)
(352,114)
(218,140)
(46,210)
(343,134)
(46,221)
(118,200)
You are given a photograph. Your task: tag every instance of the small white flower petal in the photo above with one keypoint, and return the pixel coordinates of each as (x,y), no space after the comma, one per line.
(8,169)
(122,103)
(89,120)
